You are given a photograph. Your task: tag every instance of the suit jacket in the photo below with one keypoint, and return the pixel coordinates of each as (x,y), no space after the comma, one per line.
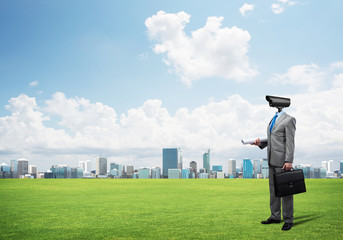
(281,141)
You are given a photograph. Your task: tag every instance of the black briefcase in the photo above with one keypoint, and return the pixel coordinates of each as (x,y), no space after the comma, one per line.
(289,182)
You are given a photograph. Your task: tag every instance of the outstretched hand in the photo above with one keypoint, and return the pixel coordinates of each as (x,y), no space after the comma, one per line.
(257,142)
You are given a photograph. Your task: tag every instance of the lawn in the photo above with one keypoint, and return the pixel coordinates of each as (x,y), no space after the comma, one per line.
(163,209)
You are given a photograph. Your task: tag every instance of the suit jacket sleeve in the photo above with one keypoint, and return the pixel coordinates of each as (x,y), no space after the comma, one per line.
(290,134)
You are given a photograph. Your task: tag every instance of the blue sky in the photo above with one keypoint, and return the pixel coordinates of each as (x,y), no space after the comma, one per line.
(102,51)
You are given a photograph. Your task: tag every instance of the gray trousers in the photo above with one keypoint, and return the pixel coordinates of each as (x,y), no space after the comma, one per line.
(275,202)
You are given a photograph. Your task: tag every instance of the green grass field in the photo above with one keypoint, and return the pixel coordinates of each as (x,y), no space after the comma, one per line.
(163,209)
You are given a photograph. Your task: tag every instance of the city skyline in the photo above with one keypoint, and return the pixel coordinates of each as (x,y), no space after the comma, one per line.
(170,156)
(126,79)
(171,169)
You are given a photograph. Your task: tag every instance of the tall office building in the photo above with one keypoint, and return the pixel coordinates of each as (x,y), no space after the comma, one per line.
(5,171)
(231,168)
(264,168)
(257,168)
(14,168)
(114,166)
(88,166)
(82,165)
(341,167)
(101,166)
(129,171)
(247,168)
(193,166)
(119,167)
(33,170)
(206,161)
(5,168)
(180,164)
(171,160)
(330,166)
(156,172)
(325,164)
(23,167)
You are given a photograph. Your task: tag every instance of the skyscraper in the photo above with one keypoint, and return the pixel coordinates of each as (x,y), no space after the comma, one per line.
(5,168)
(14,168)
(180,159)
(231,168)
(341,167)
(156,172)
(5,171)
(193,165)
(23,167)
(33,170)
(171,160)
(114,166)
(325,164)
(129,171)
(330,166)
(82,165)
(206,161)
(88,166)
(257,168)
(101,166)
(247,168)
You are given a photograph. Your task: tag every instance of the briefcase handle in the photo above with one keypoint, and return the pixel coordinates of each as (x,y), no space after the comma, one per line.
(283,170)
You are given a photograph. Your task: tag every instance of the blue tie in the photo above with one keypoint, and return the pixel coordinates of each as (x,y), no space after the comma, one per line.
(272,124)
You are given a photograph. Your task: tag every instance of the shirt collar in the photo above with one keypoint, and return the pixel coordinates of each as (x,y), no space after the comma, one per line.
(279,114)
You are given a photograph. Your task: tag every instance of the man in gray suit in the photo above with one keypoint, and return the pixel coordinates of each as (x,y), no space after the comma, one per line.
(280,147)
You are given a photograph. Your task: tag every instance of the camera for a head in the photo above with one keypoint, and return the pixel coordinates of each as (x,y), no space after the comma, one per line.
(278,102)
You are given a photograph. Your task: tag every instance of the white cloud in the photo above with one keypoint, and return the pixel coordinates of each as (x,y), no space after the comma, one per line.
(245,8)
(277,8)
(210,51)
(338,80)
(34,83)
(309,75)
(281,5)
(336,66)
(137,137)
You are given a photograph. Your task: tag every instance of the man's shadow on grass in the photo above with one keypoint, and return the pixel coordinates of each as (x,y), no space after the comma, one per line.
(305,218)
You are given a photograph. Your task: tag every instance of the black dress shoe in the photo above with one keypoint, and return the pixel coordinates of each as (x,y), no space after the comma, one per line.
(287,226)
(269,221)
